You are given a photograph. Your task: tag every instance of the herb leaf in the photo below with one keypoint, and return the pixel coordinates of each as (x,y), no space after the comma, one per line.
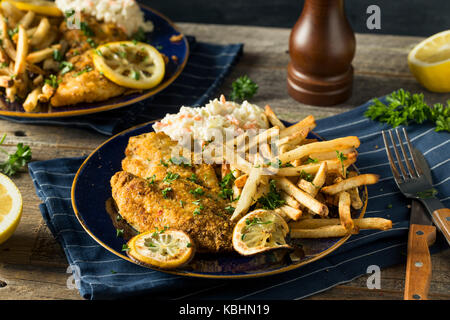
(15,161)
(243,88)
(272,199)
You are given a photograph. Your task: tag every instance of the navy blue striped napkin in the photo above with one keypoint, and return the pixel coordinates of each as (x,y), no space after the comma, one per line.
(207,66)
(100,274)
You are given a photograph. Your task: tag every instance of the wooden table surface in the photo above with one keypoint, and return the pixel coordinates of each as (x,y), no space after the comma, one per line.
(33,265)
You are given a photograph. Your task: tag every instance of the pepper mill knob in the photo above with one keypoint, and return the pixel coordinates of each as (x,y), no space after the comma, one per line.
(321,47)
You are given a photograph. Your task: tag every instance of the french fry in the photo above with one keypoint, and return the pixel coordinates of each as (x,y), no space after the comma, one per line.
(32,99)
(295,138)
(330,154)
(6,81)
(321,232)
(307,186)
(262,138)
(262,189)
(333,166)
(48,40)
(322,146)
(5,40)
(290,201)
(22,51)
(41,32)
(272,117)
(361,223)
(320,178)
(309,122)
(291,212)
(302,197)
(11,12)
(350,183)
(344,211)
(225,169)
(235,171)
(27,19)
(354,193)
(248,193)
(41,55)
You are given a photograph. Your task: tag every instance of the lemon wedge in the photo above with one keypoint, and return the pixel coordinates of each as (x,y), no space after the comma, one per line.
(429,62)
(10,207)
(47,8)
(259,231)
(130,64)
(167,249)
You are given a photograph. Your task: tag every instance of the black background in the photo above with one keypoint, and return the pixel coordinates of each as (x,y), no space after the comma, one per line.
(403,17)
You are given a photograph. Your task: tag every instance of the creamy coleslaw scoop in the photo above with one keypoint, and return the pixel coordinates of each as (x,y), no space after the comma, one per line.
(231,118)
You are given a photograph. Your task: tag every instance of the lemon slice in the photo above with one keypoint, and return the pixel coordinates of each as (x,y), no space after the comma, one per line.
(47,8)
(259,231)
(429,62)
(130,64)
(166,249)
(10,207)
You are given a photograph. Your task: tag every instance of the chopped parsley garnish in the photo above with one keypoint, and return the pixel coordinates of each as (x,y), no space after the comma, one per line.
(3,65)
(389,206)
(65,67)
(197,191)
(182,203)
(87,69)
(12,32)
(306,176)
(118,217)
(272,199)
(255,221)
(226,191)
(151,180)
(53,81)
(163,163)
(139,35)
(229,209)
(16,160)
(170,177)
(196,212)
(98,52)
(88,32)
(430,193)
(157,231)
(188,245)
(180,161)
(135,75)
(193,177)
(57,55)
(69,13)
(119,232)
(165,191)
(125,247)
(243,88)
(342,158)
(91,42)
(311,160)
(403,108)
(148,242)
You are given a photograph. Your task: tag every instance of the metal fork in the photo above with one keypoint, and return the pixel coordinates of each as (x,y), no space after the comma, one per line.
(412,180)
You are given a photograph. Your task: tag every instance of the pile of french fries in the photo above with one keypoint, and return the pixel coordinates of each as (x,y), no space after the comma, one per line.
(311,177)
(28,44)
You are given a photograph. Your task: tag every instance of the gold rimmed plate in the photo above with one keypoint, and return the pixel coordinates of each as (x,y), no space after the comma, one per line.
(159,38)
(91,199)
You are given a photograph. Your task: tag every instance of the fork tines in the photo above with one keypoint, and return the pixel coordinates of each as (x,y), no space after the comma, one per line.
(414,169)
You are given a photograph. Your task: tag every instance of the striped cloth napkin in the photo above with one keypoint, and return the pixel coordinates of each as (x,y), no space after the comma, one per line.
(207,66)
(100,274)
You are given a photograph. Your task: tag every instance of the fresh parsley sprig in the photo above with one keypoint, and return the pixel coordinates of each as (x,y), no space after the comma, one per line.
(16,160)
(243,88)
(403,108)
(272,199)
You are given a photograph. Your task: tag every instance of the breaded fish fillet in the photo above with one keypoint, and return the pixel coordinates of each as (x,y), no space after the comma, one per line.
(83,83)
(153,192)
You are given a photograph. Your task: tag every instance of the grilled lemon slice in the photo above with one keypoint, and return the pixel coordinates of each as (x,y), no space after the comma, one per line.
(46,8)
(130,64)
(165,249)
(259,231)
(10,207)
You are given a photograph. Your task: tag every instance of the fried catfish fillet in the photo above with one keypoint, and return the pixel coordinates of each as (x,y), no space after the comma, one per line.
(83,83)
(154,191)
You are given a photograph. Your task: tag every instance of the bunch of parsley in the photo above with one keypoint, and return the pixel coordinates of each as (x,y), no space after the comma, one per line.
(16,160)
(403,108)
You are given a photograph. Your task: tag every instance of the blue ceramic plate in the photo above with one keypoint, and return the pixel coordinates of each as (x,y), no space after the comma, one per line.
(91,192)
(159,38)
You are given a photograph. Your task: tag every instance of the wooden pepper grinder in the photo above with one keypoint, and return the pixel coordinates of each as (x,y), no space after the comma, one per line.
(321,47)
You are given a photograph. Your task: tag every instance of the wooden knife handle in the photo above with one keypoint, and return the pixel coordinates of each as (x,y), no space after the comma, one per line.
(441,218)
(418,263)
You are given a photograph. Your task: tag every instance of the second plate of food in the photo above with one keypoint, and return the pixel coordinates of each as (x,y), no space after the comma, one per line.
(134,185)
(63,62)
